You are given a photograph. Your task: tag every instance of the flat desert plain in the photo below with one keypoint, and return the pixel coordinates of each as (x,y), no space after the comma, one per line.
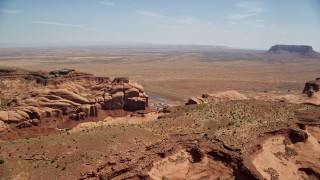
(176,72)
(69,124)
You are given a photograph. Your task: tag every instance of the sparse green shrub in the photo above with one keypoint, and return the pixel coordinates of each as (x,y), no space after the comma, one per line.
(1,161)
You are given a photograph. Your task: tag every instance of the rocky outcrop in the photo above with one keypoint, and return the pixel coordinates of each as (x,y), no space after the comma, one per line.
(301,50)
(224,96)
(311,93)
(39,95)
(85,111)
(29,123)
(311,87)
(124,94)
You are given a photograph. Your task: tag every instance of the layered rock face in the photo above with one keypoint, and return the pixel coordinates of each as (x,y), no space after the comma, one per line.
(301,50)
(29,97)
(124,94)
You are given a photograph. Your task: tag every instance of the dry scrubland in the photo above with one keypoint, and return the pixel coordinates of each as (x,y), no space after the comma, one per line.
(209,141)
(241,139)
(176,72)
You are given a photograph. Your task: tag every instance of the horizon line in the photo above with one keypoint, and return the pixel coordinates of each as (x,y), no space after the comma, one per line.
(84,44)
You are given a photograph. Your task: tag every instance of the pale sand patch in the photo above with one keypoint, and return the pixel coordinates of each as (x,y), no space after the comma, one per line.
(116,121)
(307,157)
(180,166)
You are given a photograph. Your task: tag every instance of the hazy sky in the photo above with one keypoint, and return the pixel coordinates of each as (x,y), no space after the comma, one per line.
(241,24)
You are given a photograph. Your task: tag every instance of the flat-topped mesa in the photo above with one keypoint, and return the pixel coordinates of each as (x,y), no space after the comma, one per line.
(28,96)
(305,51)
(302,49)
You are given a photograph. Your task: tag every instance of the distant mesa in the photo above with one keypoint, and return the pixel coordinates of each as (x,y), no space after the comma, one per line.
(303,51)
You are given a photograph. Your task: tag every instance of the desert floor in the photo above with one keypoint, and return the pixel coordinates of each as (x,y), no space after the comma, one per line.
(176,72)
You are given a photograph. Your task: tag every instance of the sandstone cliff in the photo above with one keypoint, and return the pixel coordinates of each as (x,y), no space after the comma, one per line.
(27,97)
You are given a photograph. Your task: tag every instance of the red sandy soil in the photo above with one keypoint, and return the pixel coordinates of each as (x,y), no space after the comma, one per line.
(272,135)
(231,139)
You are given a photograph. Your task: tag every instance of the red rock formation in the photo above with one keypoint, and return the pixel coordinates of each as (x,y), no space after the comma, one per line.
(66,92)
(125,94)
(224,96)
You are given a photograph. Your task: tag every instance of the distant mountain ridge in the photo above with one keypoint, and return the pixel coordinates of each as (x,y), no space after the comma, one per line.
(304,51)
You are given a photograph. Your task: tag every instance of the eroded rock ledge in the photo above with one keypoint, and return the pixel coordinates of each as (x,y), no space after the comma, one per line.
(28,97)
